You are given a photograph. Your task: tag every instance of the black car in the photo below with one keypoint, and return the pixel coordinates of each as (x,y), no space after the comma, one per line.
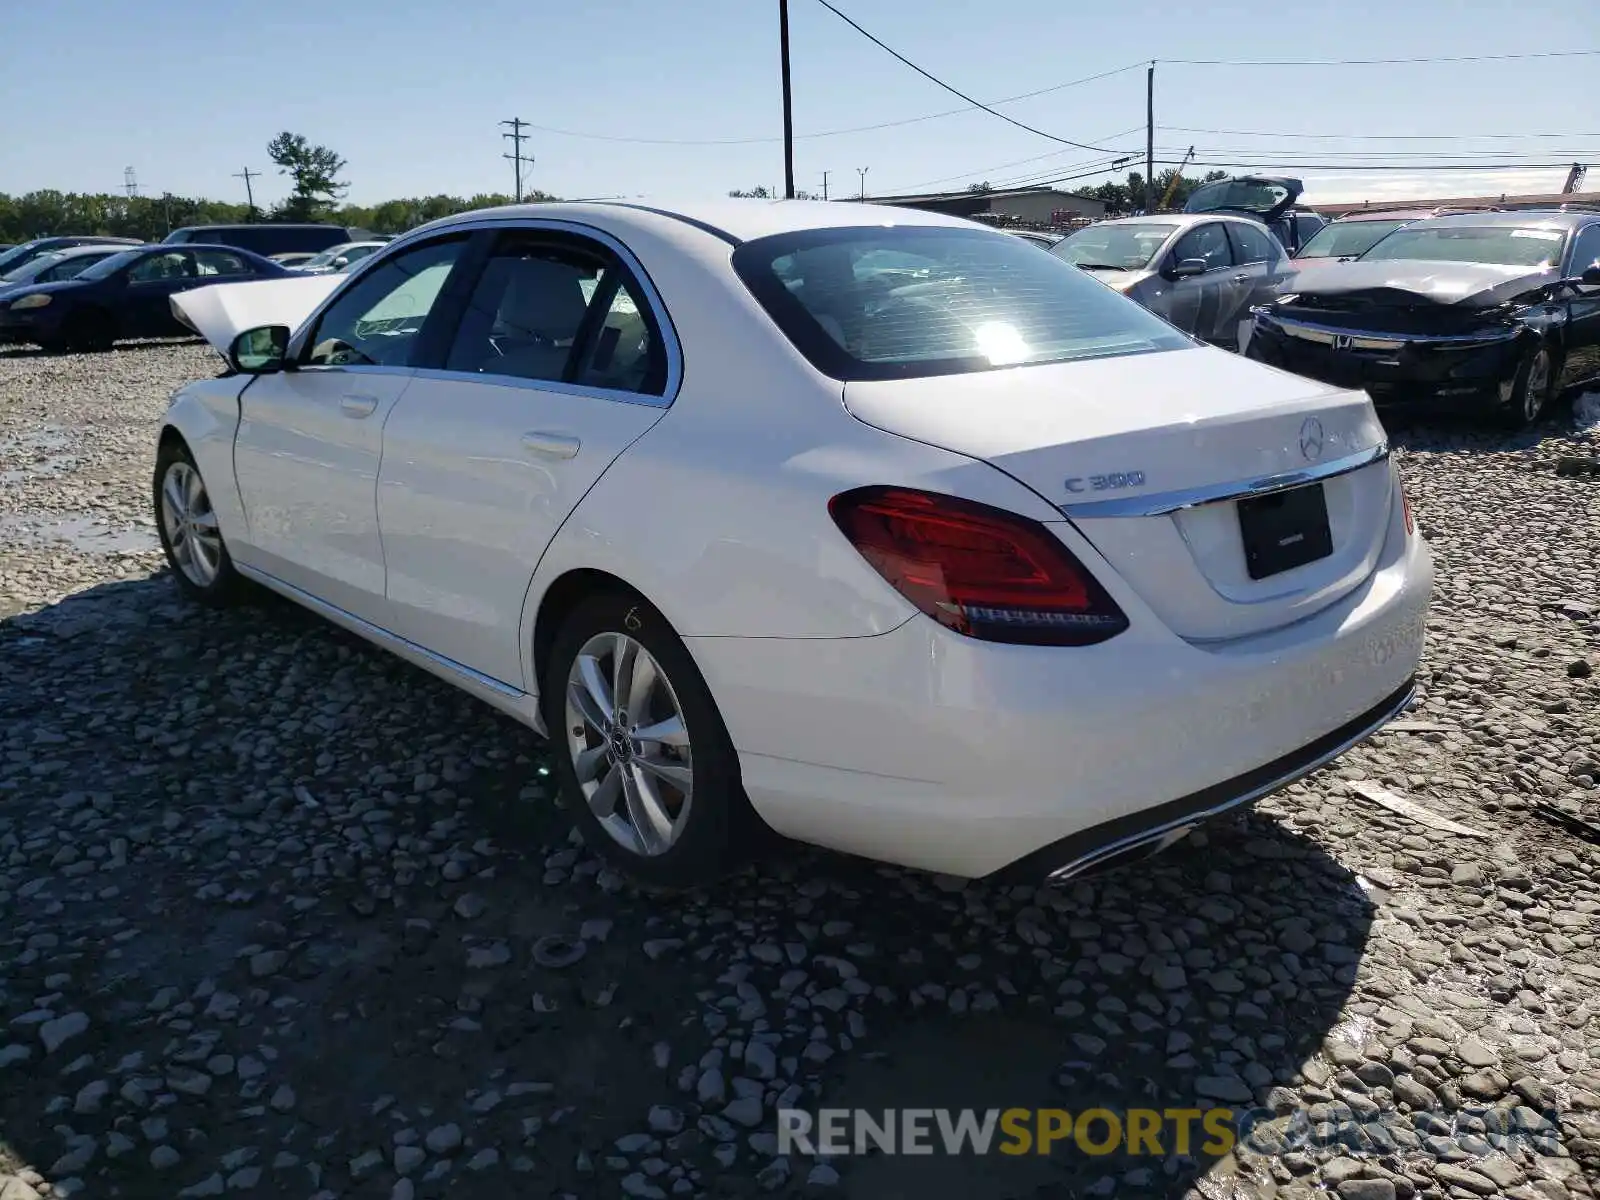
(1493,311)
(21,255)
(265,239)
(125,296)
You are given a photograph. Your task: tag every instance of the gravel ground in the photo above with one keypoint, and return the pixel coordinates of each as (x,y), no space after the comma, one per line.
(282,916)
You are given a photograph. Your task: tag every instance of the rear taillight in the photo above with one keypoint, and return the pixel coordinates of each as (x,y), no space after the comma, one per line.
(980,571)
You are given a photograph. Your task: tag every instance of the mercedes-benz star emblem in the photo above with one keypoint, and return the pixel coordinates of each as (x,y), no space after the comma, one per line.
(1311,439)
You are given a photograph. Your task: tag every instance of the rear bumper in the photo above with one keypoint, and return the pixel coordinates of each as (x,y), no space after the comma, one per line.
(1155,828)
(1422,373)
(924,748)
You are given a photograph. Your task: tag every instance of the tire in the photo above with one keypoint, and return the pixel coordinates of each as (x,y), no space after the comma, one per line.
(1530,389)
(689,801)
(190,536)
(89,330)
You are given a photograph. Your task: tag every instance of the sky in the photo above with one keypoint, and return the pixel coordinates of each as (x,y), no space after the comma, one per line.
(189,92)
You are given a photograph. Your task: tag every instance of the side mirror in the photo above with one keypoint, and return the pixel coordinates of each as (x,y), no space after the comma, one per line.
(259,351)
(1591,275)
(1187,268)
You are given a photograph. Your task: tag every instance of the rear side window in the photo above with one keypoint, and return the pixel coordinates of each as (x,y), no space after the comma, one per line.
(1251,245)
(220,262)
(559,312)
(1208,242)
(911,301)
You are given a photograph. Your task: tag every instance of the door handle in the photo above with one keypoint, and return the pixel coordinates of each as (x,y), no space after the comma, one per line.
(551,445)
(358,406)
(1242,277)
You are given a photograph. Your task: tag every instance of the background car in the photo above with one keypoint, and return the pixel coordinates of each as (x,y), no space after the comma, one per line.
(292,258)
(24,252)
(1490,312)
(1202,273)
(338,258)
(1352,235)
(1044,240)
(942,553)
(56,265)
(127,295)
(265,238)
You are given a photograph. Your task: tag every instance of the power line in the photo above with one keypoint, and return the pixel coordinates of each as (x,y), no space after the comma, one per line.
(1367,62)
(954,91)
(977,171)
(824,133)
(1378,137)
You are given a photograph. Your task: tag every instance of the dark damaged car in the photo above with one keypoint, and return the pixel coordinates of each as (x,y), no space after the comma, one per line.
(1494,313)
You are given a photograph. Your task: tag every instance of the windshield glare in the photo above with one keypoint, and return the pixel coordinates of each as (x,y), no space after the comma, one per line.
(896,303)
(110,266)
(16,256)
(1115,247)
(1492,245)
(1348,240)
(33,267)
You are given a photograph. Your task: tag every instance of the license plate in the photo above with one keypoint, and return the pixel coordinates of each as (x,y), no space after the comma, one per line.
(1284,530)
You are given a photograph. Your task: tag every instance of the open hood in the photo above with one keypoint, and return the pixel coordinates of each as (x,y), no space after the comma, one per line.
(1466,285)
(223,311)
(1266,197)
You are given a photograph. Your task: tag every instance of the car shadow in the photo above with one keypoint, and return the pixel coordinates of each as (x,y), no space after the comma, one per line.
(421,970)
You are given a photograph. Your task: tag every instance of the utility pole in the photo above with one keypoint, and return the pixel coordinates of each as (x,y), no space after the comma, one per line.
(1150,137)
(130,183)
(249,193)
(788,102)
(862,172)
(825,175)
(516,156)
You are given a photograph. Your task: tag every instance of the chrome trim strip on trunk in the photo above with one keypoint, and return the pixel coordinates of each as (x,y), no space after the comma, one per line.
(1157,504)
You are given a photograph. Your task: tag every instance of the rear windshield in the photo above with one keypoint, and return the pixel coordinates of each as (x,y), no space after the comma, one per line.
(1495,245)
(1346,239)
(895,303)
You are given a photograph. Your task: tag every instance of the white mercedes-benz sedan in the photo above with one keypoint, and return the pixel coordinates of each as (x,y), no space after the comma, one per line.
(875,528)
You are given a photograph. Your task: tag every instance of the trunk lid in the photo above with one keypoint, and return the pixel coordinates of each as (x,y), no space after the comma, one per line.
(1117,443)
(1266,197)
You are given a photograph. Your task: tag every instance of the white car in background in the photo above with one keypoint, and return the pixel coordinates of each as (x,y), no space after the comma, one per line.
(874,526)
(337,258)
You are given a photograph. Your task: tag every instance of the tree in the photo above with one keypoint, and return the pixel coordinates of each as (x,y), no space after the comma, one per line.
(980,189)
(758,193)
(315,171)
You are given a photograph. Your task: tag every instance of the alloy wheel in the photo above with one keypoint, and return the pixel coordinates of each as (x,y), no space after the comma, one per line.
(190,524)
(629,744)
(1533,395)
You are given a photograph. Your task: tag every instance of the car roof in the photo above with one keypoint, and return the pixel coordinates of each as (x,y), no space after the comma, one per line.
(736,220)
(92,248)
(1181,220)
(1521,219)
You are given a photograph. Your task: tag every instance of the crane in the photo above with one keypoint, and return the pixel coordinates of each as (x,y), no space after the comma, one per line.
(1177,178)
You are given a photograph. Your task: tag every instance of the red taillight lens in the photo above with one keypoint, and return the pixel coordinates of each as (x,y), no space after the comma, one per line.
(978,570)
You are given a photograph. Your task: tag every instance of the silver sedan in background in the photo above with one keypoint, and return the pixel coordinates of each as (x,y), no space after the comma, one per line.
(1201,271)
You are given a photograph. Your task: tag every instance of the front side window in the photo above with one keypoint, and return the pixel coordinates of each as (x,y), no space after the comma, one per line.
(1208,242)
(1251,245)
(1115,247)
(162,268)
(946,301)
(1348,239)
(1586,249)
(376,320)
(1493,245)
(220,262)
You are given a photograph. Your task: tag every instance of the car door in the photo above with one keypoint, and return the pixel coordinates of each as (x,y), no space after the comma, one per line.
(1259,265)
(146,309)
(562,359)
(1195,303)
(310,438)
(1582,336)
